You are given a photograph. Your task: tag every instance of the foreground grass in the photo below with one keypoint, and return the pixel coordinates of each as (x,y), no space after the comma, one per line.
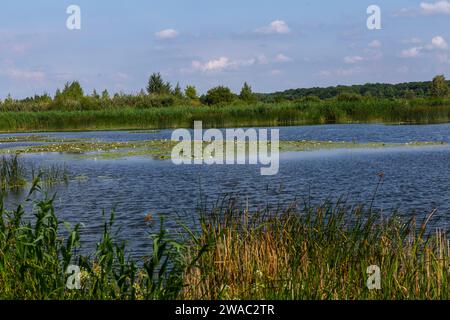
(305,111)
(316,253)
(291,253)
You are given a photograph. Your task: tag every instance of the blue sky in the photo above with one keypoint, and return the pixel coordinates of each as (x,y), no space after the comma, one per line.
(273,45)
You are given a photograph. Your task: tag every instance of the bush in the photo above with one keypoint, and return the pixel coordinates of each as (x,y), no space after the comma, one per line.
(218,95)
(191,93)
(348,97)
(155,101)
(309,99)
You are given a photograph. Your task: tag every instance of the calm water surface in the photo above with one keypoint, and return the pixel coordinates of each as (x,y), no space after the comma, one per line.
(417,180)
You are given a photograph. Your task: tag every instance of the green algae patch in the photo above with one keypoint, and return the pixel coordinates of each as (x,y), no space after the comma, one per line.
(159,148)
(23,139)
(311,145)
(37,138)
(162,149)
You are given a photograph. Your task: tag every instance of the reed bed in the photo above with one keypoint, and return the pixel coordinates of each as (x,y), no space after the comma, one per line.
(52,175)
(16,175)
(319,253)
(233,115)
(12,173)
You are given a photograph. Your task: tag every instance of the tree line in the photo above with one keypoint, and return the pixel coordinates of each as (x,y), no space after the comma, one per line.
(160,93)
(438,87)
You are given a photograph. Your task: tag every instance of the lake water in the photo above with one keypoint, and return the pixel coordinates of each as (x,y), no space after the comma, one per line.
(417,180)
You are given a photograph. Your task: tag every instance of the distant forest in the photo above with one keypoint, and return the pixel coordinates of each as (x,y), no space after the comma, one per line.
(376,90)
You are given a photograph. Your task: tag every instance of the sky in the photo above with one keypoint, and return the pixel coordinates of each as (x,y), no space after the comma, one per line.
(273,45)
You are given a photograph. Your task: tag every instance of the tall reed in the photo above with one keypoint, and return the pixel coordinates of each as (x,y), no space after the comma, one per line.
(233,115)
(315,253)
(12,173)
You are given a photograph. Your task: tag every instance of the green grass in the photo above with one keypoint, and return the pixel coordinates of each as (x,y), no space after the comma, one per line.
(52,175)
(292,253)
(16,176)
(12,173)
(35,255)
(260,114)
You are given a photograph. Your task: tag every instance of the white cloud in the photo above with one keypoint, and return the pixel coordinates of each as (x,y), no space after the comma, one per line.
(348,72)
(244,63)
(406,12)
(275,27)
(413,52)
(16,48)
(341,72)
(276,72)
(439,7)
(262,59)
(212,65)
(426,8)
(167,34)
(25,75)
(439,42)
(221,64)
(375,44)
(353,59)
(414,41)
(282,58)
(225,63)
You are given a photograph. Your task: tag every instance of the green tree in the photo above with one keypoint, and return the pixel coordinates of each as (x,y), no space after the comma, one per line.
(95,94)
(191,92)
(439,87)
(247,94)
(105,95)
(409,94)
(9,99)
(73,90)
(167,89)
(177,92)
(156,85)
(218,95)
(58,94)
(349,97)
(45,98)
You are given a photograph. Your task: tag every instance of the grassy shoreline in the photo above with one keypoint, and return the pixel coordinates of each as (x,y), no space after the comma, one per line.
(293,253)
(400,111)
